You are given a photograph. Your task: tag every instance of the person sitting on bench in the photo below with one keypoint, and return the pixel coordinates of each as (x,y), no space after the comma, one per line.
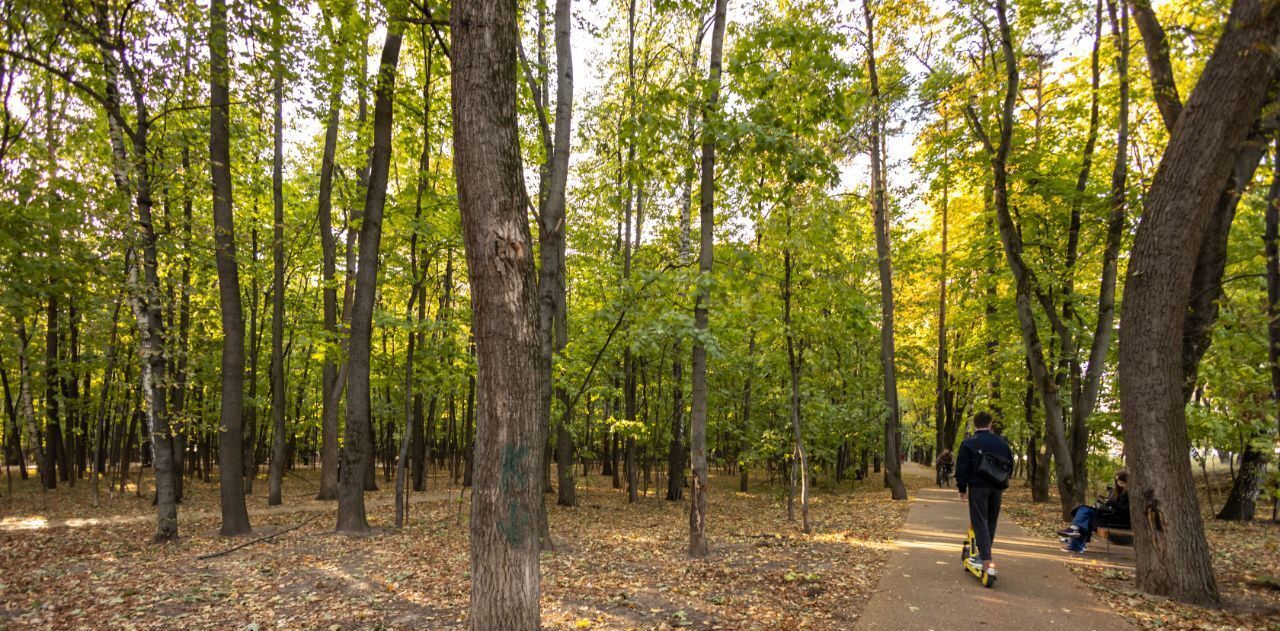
(1111,512)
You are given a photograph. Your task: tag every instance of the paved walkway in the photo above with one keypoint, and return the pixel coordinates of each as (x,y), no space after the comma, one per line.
(924,585)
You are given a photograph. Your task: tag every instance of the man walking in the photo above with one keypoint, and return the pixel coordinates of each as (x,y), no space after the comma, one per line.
(980,462)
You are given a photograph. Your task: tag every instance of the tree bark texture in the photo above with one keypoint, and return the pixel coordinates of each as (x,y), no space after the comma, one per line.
(1172,554)
(511,367)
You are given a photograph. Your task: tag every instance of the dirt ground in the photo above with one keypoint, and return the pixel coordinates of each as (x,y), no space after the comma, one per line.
(65,564)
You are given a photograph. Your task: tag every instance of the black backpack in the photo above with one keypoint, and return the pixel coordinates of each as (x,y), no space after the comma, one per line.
(994,468)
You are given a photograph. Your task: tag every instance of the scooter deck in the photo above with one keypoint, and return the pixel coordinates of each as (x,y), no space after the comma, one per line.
(975,569)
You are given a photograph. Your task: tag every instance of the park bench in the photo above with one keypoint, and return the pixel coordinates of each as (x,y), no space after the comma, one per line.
(1118,536)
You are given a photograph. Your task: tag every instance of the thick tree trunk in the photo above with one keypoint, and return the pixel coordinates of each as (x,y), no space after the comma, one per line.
(892,434)
(1173,556)
(511,363)
(698,544)
(358,452)
(235,517)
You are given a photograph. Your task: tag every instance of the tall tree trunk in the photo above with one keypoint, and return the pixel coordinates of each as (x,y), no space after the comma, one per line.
(418,271)
(1069,361)
(331,385)
(1173,556)
(358,450)
(1011,239)
(51,397)
(794,360)
(275,474)
(235,517)
(553,303)
(132,174)
(698,544)
(676,465)
(250,425)
(1211,259)
(892,433)
(510,362)
(181,354)
(940,404)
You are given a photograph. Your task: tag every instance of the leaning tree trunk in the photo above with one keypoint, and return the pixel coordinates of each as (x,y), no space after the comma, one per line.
(892,434)
(698,544)
(1173,556)
(235,517)
(358,450)
(510,362)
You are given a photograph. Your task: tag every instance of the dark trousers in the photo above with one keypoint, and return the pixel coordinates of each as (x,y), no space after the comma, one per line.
(984,511)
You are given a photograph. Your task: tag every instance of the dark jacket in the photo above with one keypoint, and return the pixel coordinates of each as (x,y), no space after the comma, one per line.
(967,459)
(944,460)
(1114,512)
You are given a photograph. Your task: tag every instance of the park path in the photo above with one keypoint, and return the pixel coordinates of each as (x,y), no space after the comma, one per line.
(924,586)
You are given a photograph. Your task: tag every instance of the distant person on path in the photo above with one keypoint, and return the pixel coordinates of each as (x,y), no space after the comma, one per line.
(1109,512)
(982,458)
(945,465)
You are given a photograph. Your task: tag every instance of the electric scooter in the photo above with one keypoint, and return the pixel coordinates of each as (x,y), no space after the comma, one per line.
(974,566)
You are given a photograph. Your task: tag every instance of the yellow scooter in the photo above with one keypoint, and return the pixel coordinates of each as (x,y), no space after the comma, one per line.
(974,566)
